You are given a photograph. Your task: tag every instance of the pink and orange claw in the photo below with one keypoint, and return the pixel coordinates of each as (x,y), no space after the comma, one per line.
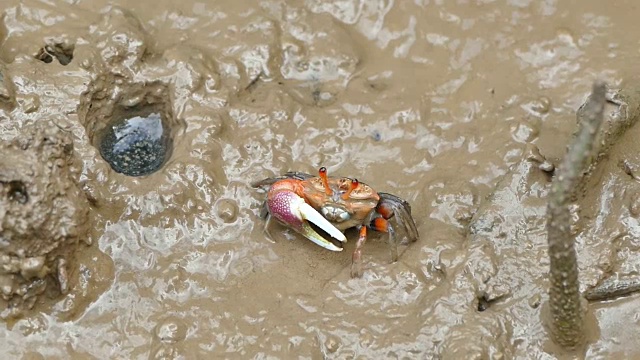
(290,209)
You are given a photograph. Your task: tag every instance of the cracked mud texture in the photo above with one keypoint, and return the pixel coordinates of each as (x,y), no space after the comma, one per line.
(461,108)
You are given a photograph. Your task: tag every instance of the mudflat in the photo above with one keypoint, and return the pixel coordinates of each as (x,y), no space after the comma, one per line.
(130,134)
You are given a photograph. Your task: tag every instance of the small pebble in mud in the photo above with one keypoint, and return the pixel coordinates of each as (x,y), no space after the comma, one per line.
(332,344)
(497,356)
(63,276)
(535,300)
(135,146)
(32,267)
(29,103)
(227,210)
(366,338)
(376,135)
(574,210)
(525,131)
(547,167)
(4,91)
(533,154)
(86,64)
(634,206)
(6,286)
(171,331)
(629,168)
(541,105)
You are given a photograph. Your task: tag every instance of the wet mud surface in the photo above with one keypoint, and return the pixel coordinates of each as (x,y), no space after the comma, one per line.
(461,108)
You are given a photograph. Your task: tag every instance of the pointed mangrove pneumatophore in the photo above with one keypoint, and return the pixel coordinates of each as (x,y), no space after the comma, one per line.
(565,303)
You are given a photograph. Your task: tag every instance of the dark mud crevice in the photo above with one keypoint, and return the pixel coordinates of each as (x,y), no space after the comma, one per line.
(17,192)
(483,303)
(59,50)
(486,301)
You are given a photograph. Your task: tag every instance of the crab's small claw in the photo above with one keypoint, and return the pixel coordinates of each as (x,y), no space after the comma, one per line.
(291,210)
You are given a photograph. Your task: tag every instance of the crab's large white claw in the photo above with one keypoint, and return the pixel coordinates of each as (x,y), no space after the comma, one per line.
(310,214)
(291,210)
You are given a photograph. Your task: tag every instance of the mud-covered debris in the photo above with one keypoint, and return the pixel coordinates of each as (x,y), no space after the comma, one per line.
(533,154)
(612,288)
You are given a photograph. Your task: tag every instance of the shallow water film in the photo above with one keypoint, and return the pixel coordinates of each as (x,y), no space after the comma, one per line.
(135,146)
(150,244)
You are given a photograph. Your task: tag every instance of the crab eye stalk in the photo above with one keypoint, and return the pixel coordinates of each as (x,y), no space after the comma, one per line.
(325,180)
(354,184)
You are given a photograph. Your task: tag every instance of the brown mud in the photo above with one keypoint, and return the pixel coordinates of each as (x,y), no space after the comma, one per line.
(461,108)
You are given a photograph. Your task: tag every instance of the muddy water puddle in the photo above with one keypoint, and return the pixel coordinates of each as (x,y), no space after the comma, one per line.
(443,104)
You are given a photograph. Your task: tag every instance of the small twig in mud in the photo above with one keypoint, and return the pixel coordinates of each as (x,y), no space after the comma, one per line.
(613,288)
(564,293)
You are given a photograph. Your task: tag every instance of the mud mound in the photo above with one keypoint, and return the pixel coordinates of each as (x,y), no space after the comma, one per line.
(44,216)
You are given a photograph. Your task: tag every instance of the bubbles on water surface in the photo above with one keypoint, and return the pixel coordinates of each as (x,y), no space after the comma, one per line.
(136,146)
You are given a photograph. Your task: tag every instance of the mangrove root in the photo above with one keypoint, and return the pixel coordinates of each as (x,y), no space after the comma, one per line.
(565,302)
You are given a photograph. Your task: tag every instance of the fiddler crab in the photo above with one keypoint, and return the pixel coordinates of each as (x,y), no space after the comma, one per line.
(295,198)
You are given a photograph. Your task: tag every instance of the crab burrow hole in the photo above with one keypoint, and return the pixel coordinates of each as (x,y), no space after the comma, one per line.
(133,128)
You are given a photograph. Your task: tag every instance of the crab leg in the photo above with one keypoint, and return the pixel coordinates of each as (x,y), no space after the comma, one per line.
(267,225)
(378,224)
(291,210)
(383,225)
(393,205)
(356,259)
